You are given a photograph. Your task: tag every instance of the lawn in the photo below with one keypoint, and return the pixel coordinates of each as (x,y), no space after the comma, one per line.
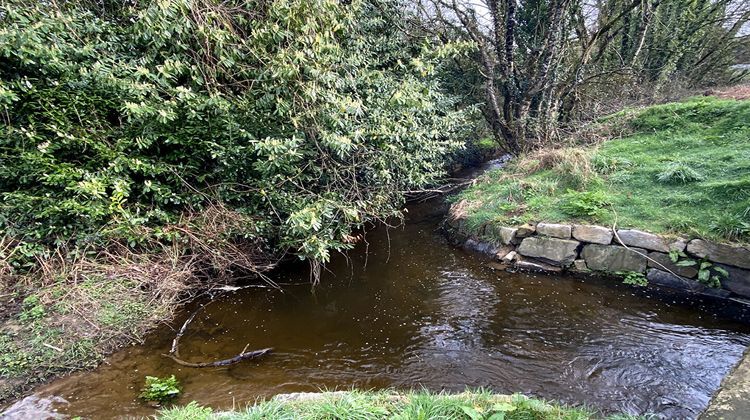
(683,168)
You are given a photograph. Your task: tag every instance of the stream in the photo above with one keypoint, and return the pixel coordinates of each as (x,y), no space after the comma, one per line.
(407,310)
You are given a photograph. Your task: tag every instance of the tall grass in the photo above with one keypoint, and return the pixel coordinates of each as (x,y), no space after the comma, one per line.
(368,405)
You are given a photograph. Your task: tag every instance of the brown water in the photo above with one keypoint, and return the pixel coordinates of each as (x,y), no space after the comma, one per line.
(424,314)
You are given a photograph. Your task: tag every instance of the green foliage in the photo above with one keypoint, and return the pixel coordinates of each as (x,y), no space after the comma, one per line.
(161,390)
(496,412)
(634,278)
(678,172)
(710,274)
(307,117)
(734,227)
(390,405)
(31,309)
(585,203)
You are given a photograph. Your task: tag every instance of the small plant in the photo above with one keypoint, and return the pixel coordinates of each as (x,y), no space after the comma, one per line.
(708,273)
(161,390)
(634,278)
(32,309)
(711,275)
(496,412)
(679,173)
(609,164)
(584,203)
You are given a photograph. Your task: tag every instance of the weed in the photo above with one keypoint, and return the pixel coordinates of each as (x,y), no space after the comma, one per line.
(634,278)
(609,164)
(391,405)
(679,173)
(161,390)
(584,203)
(710,274)
(734,227)
(32,309)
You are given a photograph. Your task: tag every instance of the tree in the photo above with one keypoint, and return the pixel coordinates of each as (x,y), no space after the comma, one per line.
(542,60)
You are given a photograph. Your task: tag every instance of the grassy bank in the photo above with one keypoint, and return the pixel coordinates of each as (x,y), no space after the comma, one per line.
(70,321)
(391,405)
(681,168)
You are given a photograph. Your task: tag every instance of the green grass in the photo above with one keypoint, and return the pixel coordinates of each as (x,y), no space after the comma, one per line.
(684,169)
(392,405)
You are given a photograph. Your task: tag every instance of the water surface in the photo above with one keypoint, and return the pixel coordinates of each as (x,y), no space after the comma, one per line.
(408,311)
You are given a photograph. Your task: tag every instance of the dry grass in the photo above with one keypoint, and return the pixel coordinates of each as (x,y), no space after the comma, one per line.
(738,92)
(76,307)
(567,159)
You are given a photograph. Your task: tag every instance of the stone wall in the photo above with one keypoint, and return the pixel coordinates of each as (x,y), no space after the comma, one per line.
(555,248)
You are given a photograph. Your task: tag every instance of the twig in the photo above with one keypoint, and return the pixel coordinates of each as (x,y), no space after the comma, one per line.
(58,349)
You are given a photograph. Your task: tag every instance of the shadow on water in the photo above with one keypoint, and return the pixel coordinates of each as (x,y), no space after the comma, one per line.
(424,314)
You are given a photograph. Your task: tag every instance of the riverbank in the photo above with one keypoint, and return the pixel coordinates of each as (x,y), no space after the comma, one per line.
(666,201)
(71,318)
(389,405)
(732,401)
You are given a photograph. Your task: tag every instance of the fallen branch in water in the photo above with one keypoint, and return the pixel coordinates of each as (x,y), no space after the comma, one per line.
(226,362)
(174,352)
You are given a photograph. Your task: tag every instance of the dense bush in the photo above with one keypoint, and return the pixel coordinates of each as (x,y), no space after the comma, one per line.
(305,117)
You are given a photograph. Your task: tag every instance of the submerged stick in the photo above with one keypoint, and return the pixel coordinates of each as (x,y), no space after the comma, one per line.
(226,362)
(174,352)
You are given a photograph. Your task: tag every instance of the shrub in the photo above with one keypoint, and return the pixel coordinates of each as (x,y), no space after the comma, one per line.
(304,118)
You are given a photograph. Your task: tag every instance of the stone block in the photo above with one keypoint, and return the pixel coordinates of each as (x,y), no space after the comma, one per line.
(613,258)
(554,230)
(735,255)
(640,239)
(592,234)
(678,245)
(530,264)
(665,279)
(502,234)
(475,245)
(525,231)
(580,266)
(557,251)
(738,280)
(502,251)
